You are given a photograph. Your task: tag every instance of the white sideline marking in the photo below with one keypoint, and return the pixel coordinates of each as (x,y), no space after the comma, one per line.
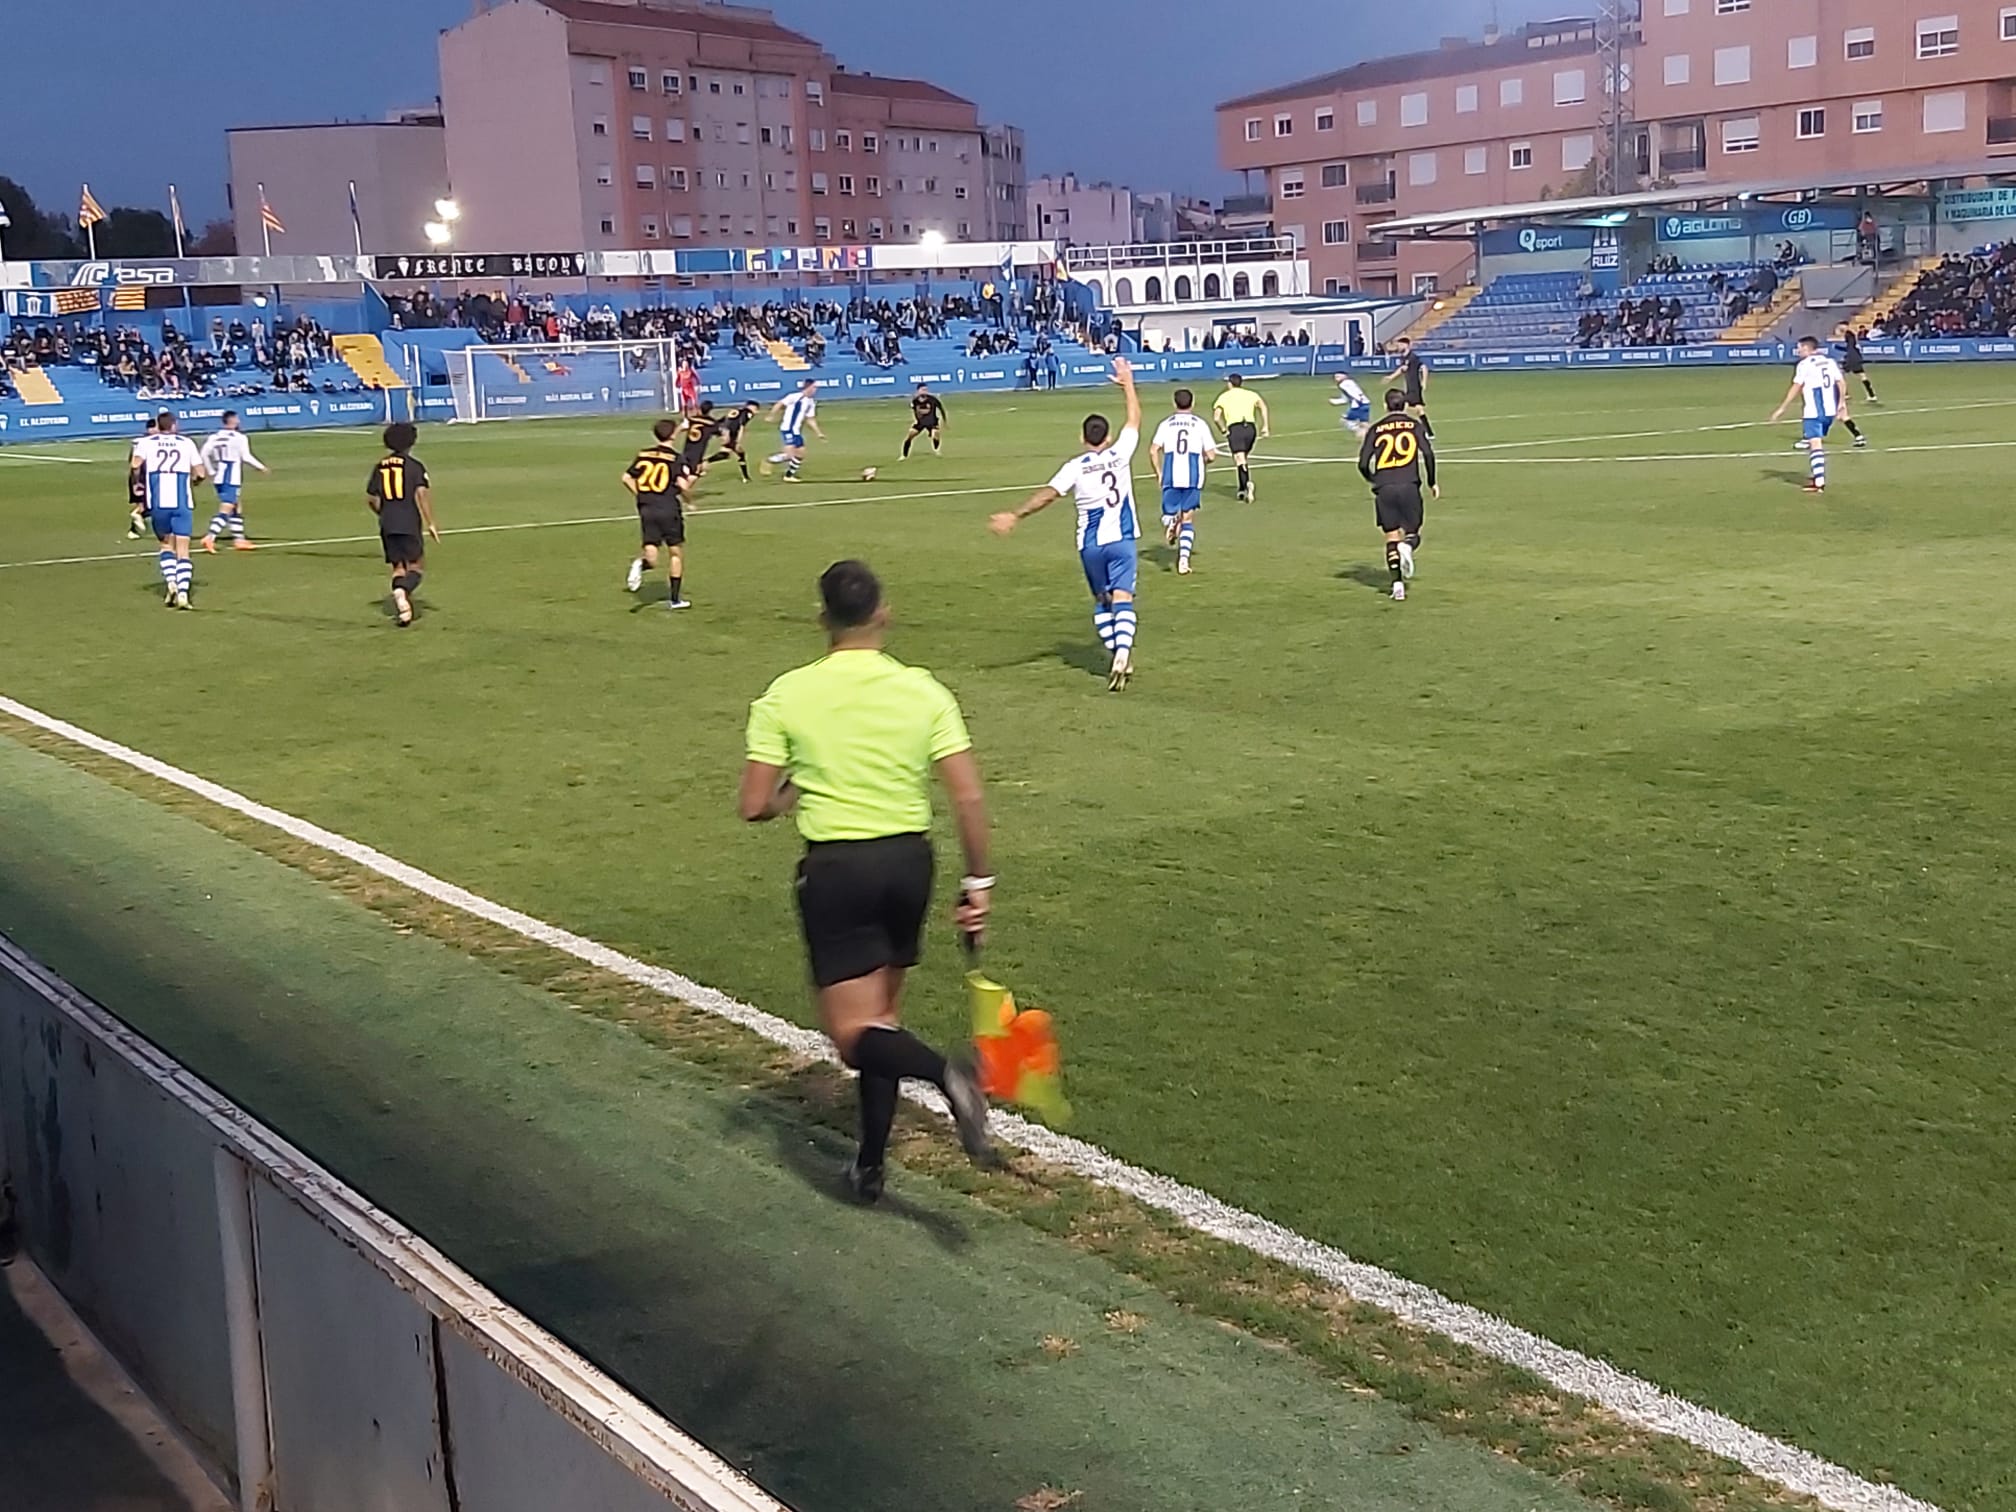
(1630,1397)
(10,455)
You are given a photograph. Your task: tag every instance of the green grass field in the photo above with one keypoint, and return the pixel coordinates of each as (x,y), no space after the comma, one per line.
(1610,937)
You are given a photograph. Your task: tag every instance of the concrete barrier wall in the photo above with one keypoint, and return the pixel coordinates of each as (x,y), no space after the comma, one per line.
(322,1357)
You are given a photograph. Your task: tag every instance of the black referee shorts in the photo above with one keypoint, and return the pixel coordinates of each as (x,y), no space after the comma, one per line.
(1399,506)
(862,904)
(1240,438)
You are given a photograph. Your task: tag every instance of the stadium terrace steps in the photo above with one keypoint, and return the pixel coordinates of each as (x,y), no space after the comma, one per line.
(1761,321)
(1440,311)
(1884,305)
(785,356)
(36,387)
(365,356)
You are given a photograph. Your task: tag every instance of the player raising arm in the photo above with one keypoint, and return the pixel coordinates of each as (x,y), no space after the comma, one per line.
(1109,531)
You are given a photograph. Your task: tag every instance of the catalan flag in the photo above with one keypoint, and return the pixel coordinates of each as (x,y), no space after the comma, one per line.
(130,297)
(76,301)
(89,211)
(269,219)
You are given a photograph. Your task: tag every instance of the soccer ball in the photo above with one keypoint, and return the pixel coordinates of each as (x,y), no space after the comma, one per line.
(867,475)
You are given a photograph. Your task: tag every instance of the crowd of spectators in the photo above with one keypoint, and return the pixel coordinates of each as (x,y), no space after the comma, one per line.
(1646,322)
(1968,294)
(237,360)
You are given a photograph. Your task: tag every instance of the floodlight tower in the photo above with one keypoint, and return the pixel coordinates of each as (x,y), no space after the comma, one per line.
(1616,48)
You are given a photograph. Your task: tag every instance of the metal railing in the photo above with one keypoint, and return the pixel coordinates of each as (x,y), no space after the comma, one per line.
(1179,256)
(1377,194)
(2001,130)
(1378,251)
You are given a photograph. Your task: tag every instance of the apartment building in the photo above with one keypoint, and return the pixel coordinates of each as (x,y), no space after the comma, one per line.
(1722,92)
(604,124)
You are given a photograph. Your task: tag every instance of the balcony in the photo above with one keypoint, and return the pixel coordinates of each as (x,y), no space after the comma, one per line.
(2001,131)
(1378,251)
(1683,160)
(1249,204)
(1377,194)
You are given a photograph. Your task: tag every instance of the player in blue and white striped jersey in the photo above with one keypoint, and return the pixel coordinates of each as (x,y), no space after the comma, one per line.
(1182,446)
(227,454)
(1108,534)
(1822,388)
(796,414)
(1356,404)
(170,466)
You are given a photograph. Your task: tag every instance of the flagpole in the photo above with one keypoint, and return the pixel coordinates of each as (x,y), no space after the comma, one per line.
(356,219)
(181,252)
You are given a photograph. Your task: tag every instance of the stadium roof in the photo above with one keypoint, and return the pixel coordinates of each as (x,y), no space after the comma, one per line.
(732,21)
(844,82)
(1887,181)
(1540,40)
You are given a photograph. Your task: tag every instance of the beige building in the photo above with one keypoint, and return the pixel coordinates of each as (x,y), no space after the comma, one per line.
(1721,92)
(400,168)
(578,124)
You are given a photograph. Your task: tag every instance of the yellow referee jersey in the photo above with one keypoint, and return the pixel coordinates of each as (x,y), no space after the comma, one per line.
(1238,406)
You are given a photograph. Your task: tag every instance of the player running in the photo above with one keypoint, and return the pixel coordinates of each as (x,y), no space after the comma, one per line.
(399,495)
(700,428)
(1412,378)
(227,454)
(136,489)
(1102,481)
(660,482)
(1822,388)
(1182,446)
(1396,454)
(1853,364)
(1236,412)
(170,467)
(927,418)
(1356,404)
(729,429)
(797,413)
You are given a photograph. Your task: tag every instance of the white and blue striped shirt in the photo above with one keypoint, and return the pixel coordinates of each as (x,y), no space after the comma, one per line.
(1103,484)
(798,410)
(226,454)
(1186,444)
(1821,379)
(168,463)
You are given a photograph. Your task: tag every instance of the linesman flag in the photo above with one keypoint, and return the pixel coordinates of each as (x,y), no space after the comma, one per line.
(1017,1051)
(89,211)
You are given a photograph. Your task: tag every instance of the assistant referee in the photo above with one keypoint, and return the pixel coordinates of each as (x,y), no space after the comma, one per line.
(849,743)
(1237,411)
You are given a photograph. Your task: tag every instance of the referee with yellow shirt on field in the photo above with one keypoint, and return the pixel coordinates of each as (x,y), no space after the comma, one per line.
(1236,412)
(849,744)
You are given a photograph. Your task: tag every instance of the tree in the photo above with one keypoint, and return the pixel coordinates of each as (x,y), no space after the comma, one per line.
(219,238)
(35,233)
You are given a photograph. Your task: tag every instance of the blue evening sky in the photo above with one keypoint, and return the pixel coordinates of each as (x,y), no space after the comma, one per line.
(1118,89)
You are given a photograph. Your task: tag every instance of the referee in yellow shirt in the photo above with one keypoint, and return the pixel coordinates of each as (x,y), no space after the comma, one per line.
(1236,411)
(849,744)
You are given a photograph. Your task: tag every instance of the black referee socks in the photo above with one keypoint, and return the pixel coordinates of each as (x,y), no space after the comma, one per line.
(878,1115)
(886,1050)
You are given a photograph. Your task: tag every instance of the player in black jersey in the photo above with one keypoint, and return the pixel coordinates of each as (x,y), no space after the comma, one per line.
(1412,378)
(730,430)
(661,481)
(136,491)
(700,427)
(1854,364)
(399,495)
(927,418)
(1398,453)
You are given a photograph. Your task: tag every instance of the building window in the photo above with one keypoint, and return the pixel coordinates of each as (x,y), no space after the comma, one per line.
(1571,86)
(773,224)
(1184,287)
(764,136)
(1859,44)
(1731,7)
(1466,99)
(815,91)
(675,131)
(639,79)
(1476,160)
(822,229)
(675,178)
(682,225)
(965,230)
(869,142)
(1868,117)
(649,226)
(1679,68)
(846,183)
(599,126)
(742,132)
(790,180)
(1802,52)
(1333,286)
(646,176)
(818,183)
(1946,111)
(608,226)
(1522,155)
(605,175)
(713,86)
(817,141)
(958,191)
(1577,152)
(1326,120)
(1732,65)
(1291,184)
(1422,167)
(640,128)
(720,180)
(1511,91)
(934,144)
(1414,110)
(740,90)
(930,186)
(1939,37)
(1284,125)
(2009,24)
(873,185)
(1740,134)
(769,181)
(1812,122)
(843,141)
(598,75)
(1368,112)
(1678,7)
(1336,233)
(874,229)
(1336,175)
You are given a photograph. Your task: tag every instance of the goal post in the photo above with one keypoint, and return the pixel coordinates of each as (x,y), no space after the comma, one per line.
(550,379)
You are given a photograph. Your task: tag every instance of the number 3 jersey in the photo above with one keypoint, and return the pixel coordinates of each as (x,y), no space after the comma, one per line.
(1103,484)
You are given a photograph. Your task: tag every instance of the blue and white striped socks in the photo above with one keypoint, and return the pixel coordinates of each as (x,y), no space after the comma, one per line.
(1186,540)
(185,574)
(237,524)
(166,561)
(1123,627)
(1102,621)
(219,523)
(1816,457)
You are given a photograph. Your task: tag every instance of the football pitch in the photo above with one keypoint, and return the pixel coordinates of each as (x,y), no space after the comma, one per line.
(1611,937)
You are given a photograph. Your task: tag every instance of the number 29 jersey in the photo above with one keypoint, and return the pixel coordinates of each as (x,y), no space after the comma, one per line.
(1396,453)
(1102,482)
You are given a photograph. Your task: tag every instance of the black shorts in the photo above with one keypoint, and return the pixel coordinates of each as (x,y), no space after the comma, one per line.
(401,549)
(862,905)
(663,522)
(1398,507)
(1239,438)
(1852,365)
(1416,399)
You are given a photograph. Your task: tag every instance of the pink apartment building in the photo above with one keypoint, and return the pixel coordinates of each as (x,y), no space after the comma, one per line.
(1722,92)
(604,124)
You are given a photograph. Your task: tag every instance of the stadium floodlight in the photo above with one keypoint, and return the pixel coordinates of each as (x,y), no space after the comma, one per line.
(448,211)
(437,233)
(932,239)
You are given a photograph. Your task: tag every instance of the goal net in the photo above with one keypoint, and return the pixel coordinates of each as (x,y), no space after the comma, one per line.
(564,378)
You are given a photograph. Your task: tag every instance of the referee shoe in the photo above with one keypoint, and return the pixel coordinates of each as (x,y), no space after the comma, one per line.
(969,1111)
